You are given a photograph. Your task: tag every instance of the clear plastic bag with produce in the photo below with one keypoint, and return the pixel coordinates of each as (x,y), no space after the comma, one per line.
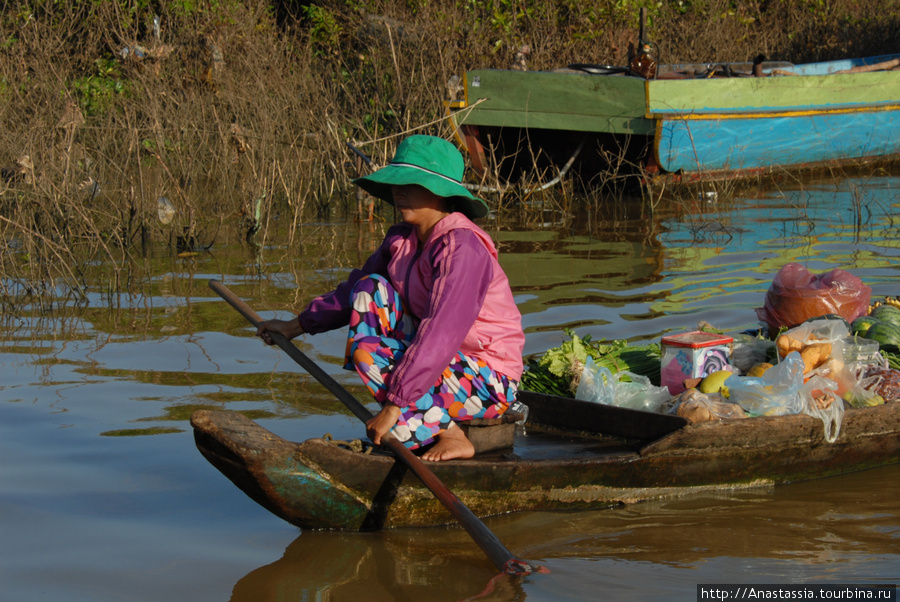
(821,401)
(596,384)
(623,389)
(700,407)
(881,383)
(775,393)
(860,397)
(862,357)
(849,376)
(817,342)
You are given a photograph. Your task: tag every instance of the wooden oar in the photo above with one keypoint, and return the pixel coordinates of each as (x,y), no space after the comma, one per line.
(502,558)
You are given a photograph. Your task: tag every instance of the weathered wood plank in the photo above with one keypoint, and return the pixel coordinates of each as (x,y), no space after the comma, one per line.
(777,432)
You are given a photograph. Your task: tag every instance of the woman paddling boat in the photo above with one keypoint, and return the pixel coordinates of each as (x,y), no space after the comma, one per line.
(434,331)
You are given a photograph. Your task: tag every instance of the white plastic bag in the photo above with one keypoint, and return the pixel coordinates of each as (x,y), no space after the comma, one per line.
(599,385)
(775,393)
(831,416)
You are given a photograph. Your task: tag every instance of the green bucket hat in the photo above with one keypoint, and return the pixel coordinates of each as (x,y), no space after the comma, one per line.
(432,163)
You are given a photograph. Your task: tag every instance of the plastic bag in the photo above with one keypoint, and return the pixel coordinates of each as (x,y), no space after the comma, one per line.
(775,393)
(820,331)
(818,388)
(850,378)
(700,407)
(861,357)
(596,384)
(599,385)
(796,295)
(818,342)
(882,383)
(833,332)
(749,351)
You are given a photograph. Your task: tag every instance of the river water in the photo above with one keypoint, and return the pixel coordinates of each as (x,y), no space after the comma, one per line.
(104,497)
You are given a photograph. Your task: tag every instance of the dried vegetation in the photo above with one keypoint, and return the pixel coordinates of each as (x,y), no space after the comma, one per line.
(139,127)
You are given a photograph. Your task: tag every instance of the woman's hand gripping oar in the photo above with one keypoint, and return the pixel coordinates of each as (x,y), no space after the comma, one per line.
(502,558)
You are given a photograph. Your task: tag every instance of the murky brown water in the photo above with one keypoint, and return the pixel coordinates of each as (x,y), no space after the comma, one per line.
(103,495)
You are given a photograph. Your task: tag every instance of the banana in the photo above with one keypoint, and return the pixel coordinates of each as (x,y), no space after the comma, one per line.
(895,301)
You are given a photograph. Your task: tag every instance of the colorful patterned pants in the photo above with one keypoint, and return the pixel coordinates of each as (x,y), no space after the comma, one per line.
(380,333)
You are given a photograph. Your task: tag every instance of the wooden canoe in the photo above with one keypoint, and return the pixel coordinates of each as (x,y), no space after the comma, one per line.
(573,455)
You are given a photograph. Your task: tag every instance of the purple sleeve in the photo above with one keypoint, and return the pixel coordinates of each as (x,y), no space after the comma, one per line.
(332,310)
(462,272)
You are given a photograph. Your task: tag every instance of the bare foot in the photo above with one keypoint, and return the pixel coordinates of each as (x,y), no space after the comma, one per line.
(451,444)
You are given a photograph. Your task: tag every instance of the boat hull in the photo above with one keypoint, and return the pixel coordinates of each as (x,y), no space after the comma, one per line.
(742,125)
(319,485)
(745,145)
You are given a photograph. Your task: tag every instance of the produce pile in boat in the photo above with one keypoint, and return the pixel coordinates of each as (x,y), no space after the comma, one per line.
(818,367)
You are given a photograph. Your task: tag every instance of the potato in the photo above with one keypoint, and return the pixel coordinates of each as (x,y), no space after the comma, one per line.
(810,357)
(815,355)
(786,343)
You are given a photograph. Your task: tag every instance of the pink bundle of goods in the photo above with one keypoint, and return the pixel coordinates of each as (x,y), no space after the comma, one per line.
(796,295)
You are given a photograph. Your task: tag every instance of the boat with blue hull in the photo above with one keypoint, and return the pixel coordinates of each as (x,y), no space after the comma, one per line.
(689,122)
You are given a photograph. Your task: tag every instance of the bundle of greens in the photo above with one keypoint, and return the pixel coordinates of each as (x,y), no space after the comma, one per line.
(558,370)
(892,355)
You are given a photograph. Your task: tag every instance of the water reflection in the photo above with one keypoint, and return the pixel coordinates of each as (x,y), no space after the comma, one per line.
(701,260)
(823,528)
(411,566)
(138,362)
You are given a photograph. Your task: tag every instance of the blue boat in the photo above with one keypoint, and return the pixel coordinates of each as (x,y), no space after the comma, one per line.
(689,122)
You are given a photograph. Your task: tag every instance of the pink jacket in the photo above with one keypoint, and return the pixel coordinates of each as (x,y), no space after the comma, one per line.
(455,289)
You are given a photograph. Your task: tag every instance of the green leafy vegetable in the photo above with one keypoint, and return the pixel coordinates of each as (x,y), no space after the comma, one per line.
(558,370)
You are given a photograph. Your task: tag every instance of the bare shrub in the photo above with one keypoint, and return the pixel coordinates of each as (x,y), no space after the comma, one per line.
(239,113)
